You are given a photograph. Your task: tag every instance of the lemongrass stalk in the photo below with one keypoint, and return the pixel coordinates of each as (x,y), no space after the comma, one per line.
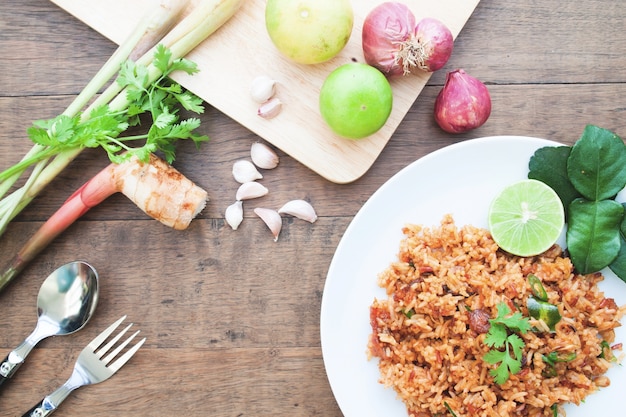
(157,188)
(203,21)
(150,29)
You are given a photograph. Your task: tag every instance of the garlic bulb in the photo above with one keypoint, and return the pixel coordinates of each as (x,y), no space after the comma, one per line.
(262,88)
(263,156)
(234,214)
(272,219)
(249,190)
(245,171)
(299,208)
(271,108)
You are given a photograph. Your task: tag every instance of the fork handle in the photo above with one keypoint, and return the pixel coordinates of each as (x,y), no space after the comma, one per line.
(49,403)
(43,408)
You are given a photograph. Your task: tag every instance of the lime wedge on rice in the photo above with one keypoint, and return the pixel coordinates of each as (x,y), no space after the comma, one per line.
(526,218)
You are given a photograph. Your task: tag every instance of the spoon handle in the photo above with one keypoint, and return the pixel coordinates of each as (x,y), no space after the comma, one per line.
(9,365)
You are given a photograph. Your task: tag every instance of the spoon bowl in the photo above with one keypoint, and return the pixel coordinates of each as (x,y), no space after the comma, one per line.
(66,301)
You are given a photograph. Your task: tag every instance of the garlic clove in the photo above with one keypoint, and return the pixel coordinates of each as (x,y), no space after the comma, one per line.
(271,108)
(262,88)
(263,156)
(299,208)
(272,219)
(234,214)
(245,171)
(249,190)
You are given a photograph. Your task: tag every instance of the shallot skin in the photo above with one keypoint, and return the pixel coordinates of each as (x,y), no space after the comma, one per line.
(437,41)
(385,28)
(462,104)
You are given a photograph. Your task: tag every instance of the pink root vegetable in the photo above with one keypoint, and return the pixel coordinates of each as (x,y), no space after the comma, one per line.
(155,187)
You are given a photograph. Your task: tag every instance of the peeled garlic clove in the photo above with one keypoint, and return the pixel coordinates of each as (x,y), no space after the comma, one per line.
(234,214)
(249,190)
(245,171)
(270,108)
(263,156)
(262,88)
(299,208)
(272,219)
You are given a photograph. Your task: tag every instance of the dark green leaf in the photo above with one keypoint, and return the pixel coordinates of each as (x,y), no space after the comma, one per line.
(618,266)
(593,236)
(597,164)
(549,165)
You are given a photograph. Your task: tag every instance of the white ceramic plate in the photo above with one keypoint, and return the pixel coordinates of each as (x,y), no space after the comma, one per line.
(462,180)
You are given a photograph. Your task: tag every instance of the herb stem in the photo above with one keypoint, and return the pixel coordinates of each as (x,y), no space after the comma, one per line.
(205,19)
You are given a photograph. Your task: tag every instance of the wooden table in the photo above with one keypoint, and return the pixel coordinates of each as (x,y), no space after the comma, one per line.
(231,317)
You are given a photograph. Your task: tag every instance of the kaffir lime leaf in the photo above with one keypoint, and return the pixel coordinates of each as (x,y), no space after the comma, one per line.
(526,218)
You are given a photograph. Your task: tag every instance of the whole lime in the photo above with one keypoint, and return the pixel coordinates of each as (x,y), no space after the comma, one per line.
(356,100)
(309,31)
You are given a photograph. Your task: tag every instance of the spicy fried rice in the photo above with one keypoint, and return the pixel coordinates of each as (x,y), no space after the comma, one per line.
(429,334)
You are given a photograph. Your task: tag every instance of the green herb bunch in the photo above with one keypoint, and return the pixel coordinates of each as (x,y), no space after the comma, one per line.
(161,99)
(505,342)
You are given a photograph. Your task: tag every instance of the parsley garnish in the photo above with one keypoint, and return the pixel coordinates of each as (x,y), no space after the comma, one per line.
(502,334)
(161,99)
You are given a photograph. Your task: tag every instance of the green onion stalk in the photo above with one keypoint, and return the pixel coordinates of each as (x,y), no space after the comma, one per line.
(48,161)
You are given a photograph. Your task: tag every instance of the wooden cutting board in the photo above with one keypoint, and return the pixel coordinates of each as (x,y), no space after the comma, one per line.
(241,50)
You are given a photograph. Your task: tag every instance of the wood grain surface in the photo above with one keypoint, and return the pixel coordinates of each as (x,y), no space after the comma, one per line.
(231,317)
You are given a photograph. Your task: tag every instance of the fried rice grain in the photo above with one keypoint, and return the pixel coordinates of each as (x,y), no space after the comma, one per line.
(428,335)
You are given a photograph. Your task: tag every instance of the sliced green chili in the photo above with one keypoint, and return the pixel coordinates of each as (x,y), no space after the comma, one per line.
(539,292)
(552,359)
(545,311)
(408,313)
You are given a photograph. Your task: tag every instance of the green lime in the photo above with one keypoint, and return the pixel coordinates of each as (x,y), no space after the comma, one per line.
(526,218)
(355,100)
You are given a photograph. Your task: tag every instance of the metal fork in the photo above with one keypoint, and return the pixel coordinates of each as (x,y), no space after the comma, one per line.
(90,368)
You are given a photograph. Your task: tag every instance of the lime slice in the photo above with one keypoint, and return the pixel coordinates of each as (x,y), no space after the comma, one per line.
(526,218)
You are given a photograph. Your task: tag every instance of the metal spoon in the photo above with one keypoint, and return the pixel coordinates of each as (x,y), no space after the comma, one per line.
(66,302)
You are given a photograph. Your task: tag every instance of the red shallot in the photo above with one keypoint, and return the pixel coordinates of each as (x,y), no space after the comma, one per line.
(395,44)
(463,103)
(437,41)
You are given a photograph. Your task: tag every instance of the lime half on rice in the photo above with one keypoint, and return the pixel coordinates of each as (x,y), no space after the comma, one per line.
(526,218)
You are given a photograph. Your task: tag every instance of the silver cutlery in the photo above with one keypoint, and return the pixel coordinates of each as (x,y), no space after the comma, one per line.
(65,303)
(92,367)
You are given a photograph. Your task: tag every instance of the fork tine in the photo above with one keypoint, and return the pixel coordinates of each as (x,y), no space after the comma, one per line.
(104,349)
(115,366)
(118,349)
(98,340)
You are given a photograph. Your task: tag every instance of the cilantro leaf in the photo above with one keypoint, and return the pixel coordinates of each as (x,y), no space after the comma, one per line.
(500,335)
(496,337)
(162,58)
(190,102)
(160,100)
(184,65)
